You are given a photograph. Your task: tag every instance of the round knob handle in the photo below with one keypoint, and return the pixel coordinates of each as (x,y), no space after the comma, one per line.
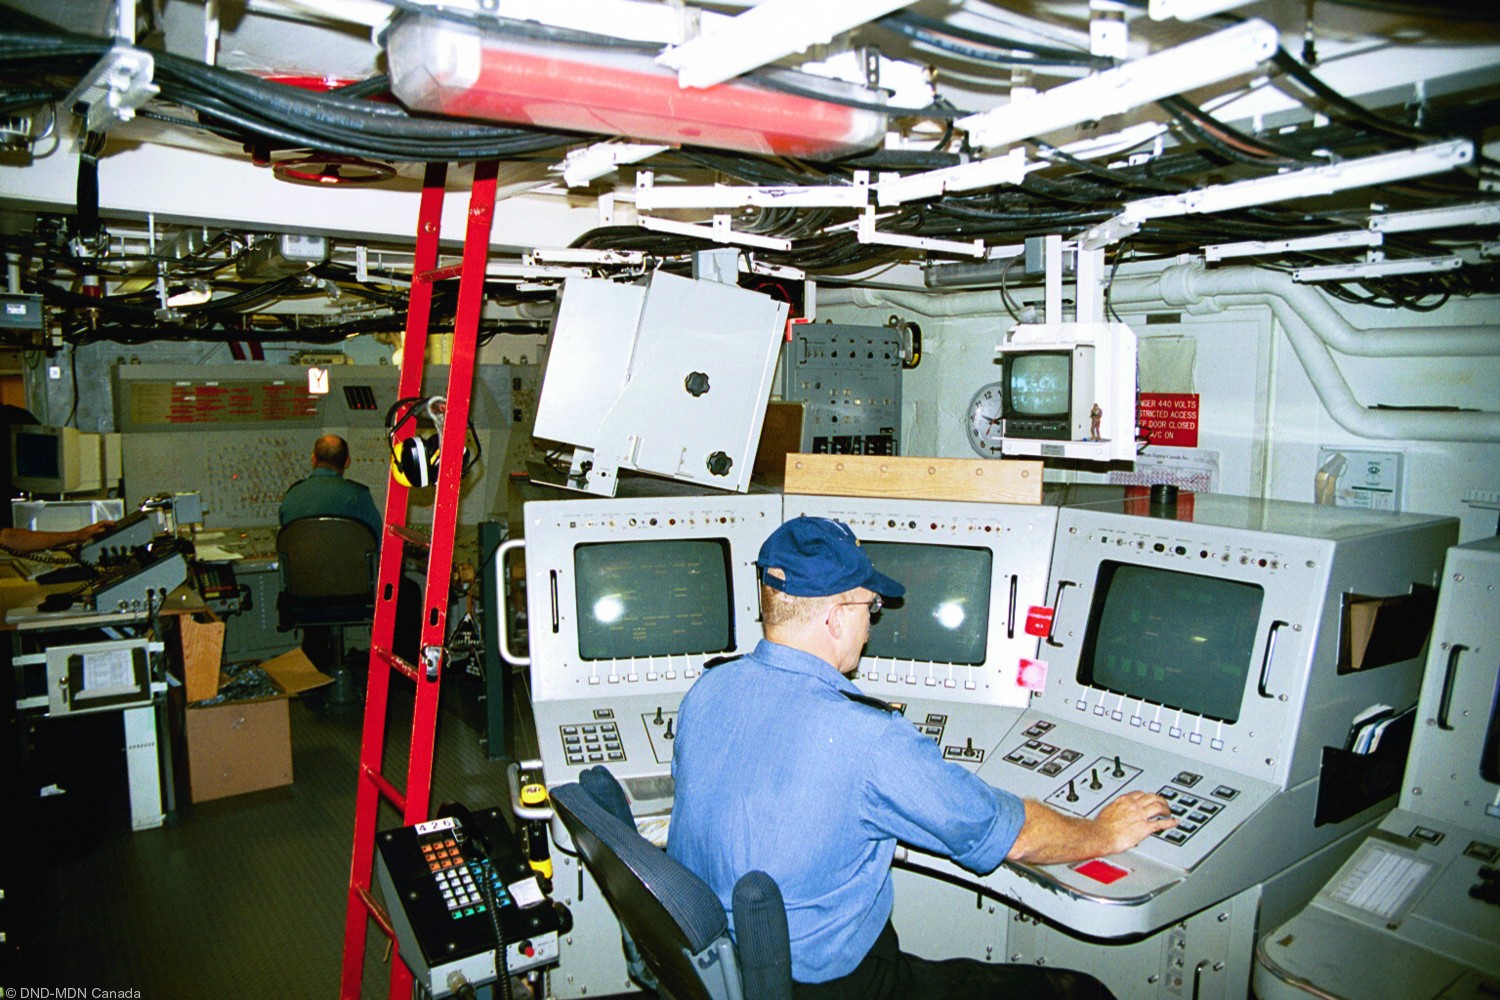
(696,383)
(719,463)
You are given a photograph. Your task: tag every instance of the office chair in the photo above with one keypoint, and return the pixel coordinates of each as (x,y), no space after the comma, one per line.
(327,582)
(670,918)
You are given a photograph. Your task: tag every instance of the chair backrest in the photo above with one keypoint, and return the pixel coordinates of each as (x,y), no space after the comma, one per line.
(327,557)
(675,920)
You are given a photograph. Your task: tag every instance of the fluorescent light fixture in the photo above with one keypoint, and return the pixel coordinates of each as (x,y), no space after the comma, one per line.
(593,162)
(1190,10)
(1479,214)
(1376,269)
(1385,168)
(765,33)
(1260,248)
(1199,63)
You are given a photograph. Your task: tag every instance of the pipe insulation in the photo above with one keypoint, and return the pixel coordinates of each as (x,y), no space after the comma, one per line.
(1192,284)
(1312,327)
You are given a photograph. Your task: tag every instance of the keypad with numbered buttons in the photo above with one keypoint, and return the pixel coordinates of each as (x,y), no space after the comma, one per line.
(457,879)
(595,742)
(1193,810)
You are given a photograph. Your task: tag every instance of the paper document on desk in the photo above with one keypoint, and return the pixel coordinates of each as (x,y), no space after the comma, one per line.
(213,553)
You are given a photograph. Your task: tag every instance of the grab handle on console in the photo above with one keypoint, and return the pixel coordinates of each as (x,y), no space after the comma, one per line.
(1449,673)
(1056,611)
(1265,660)
(1010,622)
(501,630)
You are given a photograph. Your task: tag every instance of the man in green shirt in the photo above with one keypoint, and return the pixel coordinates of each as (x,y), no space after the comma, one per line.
(327,493)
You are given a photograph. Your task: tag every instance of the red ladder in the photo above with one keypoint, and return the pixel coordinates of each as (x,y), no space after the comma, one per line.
(413,803)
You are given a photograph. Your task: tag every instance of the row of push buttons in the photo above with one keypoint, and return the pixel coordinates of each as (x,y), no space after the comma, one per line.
(1191,810)
(1037,753)
(592,743)
(670,674)
(1138,721)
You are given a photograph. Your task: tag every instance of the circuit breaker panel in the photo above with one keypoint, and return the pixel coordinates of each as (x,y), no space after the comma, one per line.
(849,377)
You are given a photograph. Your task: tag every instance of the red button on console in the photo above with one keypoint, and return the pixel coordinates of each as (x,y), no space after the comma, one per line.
(1101,871)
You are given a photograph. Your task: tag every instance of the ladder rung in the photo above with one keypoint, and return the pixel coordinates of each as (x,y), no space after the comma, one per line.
(440,273)
(411,535)
(392,794)
(395,662)
(377,912)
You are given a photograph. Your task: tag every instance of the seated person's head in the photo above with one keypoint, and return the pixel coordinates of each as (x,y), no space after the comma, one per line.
(331,452)
(816,588)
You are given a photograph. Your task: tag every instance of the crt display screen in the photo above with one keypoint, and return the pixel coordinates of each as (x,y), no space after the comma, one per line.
(36,456)
(1175,639)
(945,615)
(653,598)
(1038,384)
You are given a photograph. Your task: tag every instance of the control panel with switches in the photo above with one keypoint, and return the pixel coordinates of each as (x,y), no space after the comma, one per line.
(1199,652)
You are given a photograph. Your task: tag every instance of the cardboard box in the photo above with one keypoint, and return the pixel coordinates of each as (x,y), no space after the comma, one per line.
(200,649)
(244,746)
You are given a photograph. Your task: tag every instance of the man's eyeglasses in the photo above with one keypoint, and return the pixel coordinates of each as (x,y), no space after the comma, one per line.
(874,604)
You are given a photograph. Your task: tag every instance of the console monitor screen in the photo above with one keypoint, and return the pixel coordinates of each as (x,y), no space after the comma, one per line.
(944,617)
(37,456)
(653,598)
(1176,639)
(1039,384)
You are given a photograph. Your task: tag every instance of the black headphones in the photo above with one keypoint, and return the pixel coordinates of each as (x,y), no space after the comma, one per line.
(414,461)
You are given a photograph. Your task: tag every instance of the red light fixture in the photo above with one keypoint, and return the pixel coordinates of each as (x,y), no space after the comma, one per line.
(468,71)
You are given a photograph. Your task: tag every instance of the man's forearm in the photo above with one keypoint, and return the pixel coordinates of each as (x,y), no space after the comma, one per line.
(1050,837)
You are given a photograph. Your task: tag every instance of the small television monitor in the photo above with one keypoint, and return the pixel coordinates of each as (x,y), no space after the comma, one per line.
(1048,393)
(650,598)
(1181,640)
(53,460)
(944,616)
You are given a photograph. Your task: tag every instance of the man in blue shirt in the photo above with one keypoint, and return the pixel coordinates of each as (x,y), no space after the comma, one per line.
(327,493)
(782,765)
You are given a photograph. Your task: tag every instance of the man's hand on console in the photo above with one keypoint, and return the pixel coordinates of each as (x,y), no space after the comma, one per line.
(1133,817)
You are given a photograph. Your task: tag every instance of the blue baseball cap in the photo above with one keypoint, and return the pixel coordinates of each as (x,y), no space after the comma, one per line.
(820,558)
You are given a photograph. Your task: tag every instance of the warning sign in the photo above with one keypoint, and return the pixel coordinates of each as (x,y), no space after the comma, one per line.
(1169,418)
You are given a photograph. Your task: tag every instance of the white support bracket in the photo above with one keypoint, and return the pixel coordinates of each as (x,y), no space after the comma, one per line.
(1383,168)
(590,163)
(1350,239)
(1376,269)
(719,232)
(765,33)
(1485,213)
(650,198)
(576,255)
(867,233)
(1012,168)
(1194,64)
(119,83)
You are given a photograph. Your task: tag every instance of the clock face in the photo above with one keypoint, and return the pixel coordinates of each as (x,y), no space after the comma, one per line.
(984,423)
